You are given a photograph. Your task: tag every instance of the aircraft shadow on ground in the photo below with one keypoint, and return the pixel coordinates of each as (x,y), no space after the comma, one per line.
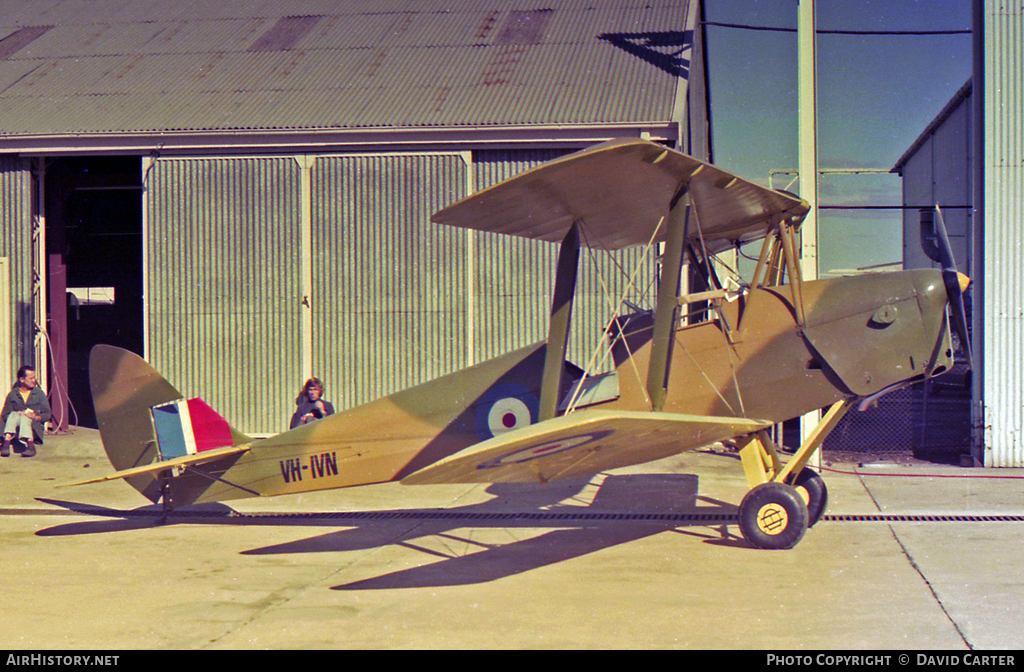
(524,527)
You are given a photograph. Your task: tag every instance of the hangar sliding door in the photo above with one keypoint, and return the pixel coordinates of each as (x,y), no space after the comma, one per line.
(223,287)
(389,288)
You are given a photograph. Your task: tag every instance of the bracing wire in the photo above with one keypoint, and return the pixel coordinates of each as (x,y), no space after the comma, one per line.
(603,345)
(704,374)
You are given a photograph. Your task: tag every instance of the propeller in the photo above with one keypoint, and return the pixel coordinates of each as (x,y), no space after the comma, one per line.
(956,284)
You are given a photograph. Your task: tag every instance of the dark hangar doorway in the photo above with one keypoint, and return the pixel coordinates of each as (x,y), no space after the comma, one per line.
(94,265)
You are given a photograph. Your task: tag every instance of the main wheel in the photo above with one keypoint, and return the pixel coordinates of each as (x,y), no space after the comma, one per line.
(817,494)
(773,516)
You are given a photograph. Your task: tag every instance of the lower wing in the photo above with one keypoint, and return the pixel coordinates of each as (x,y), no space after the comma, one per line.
(582,444)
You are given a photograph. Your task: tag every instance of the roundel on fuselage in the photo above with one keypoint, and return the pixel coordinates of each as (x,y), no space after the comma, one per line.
(505,408)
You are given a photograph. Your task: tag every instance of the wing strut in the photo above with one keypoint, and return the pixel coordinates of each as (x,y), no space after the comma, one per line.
(561,317)
(778,259)
(793,266)
(678,222)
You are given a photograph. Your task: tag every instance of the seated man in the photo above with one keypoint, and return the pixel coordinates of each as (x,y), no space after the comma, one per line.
(24,413)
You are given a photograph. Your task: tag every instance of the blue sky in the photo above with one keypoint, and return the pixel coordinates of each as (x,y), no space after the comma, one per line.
(876,94)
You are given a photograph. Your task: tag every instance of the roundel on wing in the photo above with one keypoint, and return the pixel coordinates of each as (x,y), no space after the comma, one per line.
(504,408)
(544,449)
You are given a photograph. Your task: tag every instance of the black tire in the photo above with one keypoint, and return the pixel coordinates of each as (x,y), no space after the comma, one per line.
(773,516)
(817,494)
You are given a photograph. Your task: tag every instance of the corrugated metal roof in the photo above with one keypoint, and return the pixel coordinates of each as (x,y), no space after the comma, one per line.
(143,66)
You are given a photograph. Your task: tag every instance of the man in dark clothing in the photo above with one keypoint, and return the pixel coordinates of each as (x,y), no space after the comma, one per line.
(24,413)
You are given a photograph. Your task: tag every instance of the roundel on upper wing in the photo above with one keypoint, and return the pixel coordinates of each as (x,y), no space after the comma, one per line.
(505,408)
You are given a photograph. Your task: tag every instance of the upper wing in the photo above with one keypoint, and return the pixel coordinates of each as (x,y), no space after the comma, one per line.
(582,444)
(620,190)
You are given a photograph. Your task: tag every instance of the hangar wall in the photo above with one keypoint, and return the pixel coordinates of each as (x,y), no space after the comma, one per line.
(393,300)
(1003,326)
(16,245)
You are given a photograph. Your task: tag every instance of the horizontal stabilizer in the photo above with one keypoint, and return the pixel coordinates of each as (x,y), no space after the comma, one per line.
(167,465)
(582,444)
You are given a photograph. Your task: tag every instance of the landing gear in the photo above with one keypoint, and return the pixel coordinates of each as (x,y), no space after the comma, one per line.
(817,494)
(784,499)
(773,516)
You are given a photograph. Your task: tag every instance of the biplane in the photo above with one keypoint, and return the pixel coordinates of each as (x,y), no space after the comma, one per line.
(759,352)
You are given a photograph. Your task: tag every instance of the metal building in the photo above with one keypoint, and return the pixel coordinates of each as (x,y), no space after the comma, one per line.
(970,161)
(1002,246)
(241,191)
(937,172)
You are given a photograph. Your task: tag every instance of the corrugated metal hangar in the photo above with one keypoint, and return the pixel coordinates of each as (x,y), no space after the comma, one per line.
(241,191)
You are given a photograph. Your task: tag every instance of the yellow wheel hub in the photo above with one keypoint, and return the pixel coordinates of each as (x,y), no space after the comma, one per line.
(772,519)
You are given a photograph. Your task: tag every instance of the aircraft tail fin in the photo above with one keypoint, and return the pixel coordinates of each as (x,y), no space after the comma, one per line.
(144,420)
